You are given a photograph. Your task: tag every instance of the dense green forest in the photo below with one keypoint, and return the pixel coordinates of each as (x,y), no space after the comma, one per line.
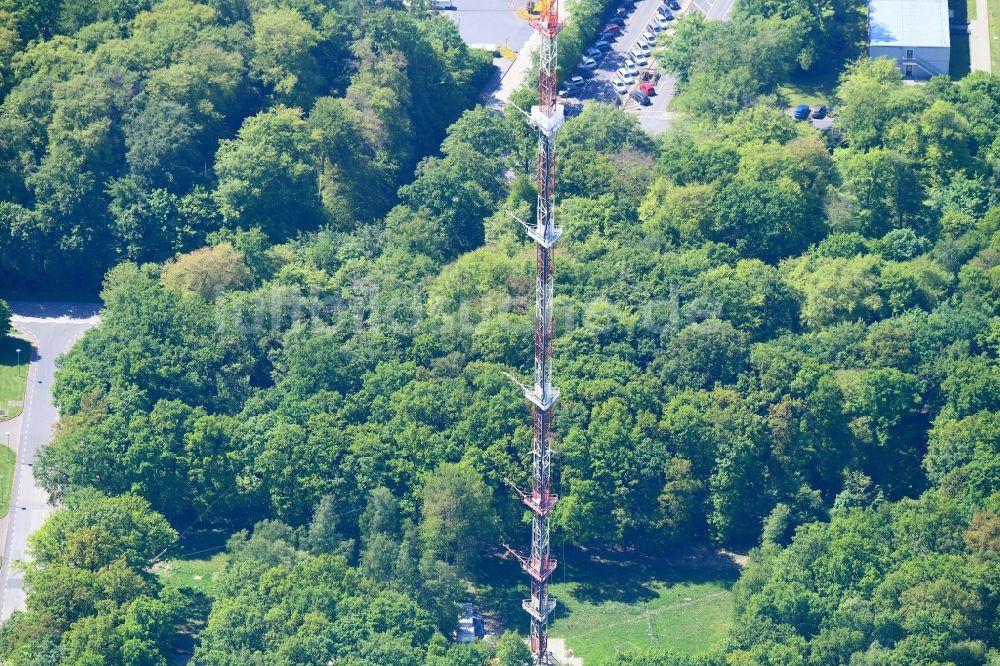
(131,132)
(769,336)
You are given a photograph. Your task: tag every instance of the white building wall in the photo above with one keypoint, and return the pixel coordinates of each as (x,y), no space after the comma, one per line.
(927,61)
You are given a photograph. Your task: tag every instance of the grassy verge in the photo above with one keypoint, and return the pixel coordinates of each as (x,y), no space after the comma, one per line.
(8,463)
(993,11)
(13,376)
(611,603)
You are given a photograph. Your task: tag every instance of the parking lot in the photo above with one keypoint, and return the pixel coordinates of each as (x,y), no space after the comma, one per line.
(654,118)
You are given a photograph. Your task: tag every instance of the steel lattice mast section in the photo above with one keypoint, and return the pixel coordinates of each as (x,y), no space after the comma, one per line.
(547,118)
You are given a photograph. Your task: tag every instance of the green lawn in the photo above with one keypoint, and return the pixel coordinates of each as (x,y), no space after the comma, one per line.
(195,576)
(13,377)
(611,603)
(7,466)
(199,574)
(809,88)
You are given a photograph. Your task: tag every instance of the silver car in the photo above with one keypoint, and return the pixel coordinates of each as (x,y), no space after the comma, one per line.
(638,57)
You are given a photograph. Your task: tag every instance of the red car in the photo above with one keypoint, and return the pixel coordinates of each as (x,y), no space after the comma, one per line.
(611,27)
(647,88)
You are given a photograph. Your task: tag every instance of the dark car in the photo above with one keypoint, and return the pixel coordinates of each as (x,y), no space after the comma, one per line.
(674,5)
(801,112)
(611,27)
(640,97)
(819,113)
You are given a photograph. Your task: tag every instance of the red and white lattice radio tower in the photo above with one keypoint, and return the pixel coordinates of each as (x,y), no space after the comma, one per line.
(547,118)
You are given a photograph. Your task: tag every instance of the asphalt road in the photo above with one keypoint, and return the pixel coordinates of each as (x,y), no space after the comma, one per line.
(52,328)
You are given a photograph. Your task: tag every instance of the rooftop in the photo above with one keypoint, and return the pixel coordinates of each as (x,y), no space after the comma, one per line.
(908,23)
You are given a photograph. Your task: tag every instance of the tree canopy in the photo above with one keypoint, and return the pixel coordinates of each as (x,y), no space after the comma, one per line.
(768,336)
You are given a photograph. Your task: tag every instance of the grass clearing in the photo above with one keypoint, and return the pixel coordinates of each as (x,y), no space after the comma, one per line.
(199,574)
(686,615)
(611,603)
(810,88)
(13,375)
(194,568)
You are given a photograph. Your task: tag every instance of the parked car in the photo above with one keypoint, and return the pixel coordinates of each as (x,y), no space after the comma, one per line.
(649,36)
(629,66)
(660,22)
(574,82)
(611,27)
(819,113)
(801,112)
(625,75)
(609,37)
(638,56)
(593,53)
(647,89)
(619,86)
(617,20)
(654,27)
(602,46)
(588,63)
(641,97)
(621,12)
(666,13)
(674,5)
(565,92)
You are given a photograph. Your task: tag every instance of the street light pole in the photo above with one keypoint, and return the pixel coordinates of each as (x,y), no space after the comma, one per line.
(18,361)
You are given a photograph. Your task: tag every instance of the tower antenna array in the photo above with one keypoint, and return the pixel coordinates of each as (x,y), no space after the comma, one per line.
(547,117)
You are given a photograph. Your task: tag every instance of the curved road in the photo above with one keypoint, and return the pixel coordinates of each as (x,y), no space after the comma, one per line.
(52,329)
